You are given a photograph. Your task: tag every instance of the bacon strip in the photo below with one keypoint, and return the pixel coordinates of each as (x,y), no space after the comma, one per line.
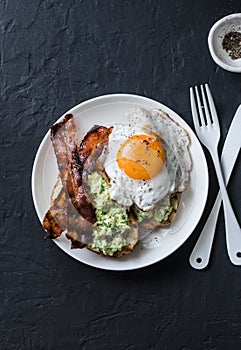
(55,220)
(76,213)
(70,167)
(90,149)
(58,218)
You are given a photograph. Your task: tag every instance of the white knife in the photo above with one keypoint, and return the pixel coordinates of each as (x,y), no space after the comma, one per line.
(200,255)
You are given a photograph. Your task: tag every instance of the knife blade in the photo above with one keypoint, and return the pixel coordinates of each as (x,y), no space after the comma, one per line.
(231,146)
(200,255)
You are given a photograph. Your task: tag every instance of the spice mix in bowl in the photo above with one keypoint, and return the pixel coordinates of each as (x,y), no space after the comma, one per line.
(224,41)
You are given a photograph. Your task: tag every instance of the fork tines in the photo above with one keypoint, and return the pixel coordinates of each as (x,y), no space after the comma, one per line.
(206,113)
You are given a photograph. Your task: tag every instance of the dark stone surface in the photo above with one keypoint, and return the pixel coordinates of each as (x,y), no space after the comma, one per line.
(55,54)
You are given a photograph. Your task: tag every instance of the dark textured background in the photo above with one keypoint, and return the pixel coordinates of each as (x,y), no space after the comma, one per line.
(55,54)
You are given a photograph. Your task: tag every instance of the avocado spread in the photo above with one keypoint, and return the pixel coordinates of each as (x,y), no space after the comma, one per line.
(112,221)
(112,224)
(159,213)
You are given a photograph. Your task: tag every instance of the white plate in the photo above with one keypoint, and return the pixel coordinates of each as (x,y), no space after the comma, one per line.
(110,109)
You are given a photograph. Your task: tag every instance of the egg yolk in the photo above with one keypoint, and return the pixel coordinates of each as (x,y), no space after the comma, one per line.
(141,157)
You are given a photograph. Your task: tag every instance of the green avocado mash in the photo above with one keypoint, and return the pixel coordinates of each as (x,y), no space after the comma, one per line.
(111,227)
(112,224)
(159,213)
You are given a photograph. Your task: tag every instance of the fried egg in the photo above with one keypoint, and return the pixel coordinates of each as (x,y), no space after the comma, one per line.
(146,158)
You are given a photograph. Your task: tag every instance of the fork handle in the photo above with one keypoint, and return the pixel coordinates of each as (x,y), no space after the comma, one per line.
(233,232)
(200,255)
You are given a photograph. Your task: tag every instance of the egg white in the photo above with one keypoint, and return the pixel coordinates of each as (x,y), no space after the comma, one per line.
(172,178)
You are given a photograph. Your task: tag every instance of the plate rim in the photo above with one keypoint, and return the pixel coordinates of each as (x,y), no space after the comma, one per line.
(168,110)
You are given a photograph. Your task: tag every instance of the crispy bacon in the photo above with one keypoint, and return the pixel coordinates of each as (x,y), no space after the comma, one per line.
(72,209)
(89,151)
(93,142)
(55,220)
(63,141)
(70,167)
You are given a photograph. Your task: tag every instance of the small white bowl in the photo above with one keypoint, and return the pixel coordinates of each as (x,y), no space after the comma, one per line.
(231,23)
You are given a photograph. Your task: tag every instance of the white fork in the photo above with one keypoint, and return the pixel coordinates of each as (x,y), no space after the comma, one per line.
(208,131)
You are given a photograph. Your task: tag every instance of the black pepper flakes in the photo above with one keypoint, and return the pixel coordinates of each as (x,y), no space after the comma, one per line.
(232,44)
